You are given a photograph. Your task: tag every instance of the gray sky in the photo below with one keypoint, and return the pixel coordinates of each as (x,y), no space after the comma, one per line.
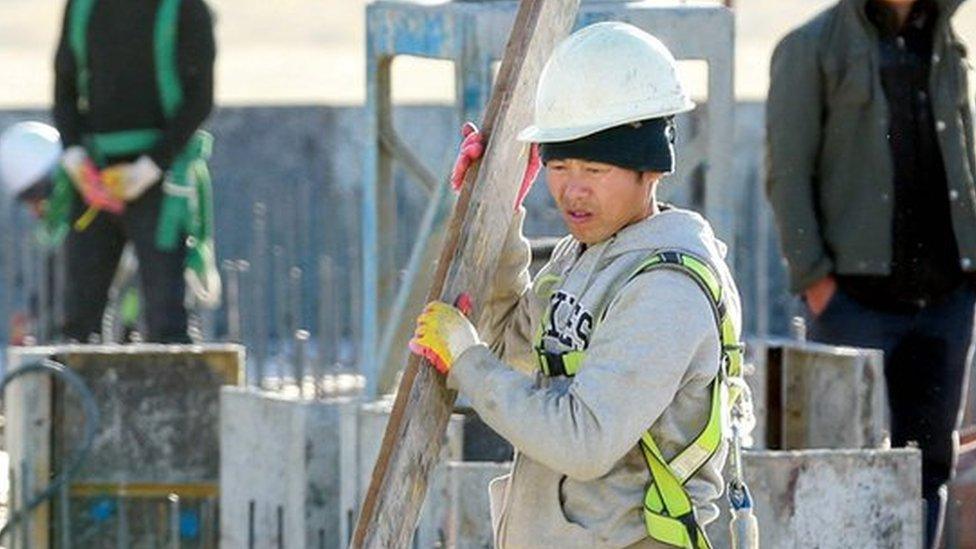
(311,51)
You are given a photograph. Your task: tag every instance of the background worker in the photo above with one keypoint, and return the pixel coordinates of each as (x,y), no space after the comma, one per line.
(603,370)
(29,154)
(133,83)
(871,177)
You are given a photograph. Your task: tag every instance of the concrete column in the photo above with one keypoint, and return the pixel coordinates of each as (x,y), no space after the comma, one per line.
(288,470)
(157,436)
(811,395)
(373,418)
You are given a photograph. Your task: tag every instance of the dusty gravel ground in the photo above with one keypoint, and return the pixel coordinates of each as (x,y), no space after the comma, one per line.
(311,51)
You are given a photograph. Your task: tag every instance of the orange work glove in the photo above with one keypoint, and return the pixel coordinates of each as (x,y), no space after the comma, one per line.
(129,181)
(442,334)
(86,179)
(473,147)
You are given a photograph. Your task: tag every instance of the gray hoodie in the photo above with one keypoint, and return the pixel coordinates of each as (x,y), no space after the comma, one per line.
(578,479)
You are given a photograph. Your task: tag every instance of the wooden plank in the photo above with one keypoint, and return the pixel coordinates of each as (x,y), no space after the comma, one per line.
(413,437)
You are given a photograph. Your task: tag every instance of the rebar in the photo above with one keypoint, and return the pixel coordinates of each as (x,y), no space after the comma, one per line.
(174,521)
(259,303)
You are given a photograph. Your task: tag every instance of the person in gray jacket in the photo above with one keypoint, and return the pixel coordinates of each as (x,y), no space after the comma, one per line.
(602,367)
(871,177)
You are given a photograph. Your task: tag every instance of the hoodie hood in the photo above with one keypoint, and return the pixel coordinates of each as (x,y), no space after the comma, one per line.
(670,228)
(588,277)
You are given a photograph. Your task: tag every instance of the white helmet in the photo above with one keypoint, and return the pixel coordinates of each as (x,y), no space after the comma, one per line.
(28,153)
(601,76)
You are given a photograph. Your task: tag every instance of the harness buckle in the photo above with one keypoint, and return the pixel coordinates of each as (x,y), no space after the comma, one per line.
(552,363)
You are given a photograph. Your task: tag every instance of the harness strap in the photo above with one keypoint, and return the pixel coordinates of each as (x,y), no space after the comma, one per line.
(164,47)
(78,40)
(164,53)
(668,510)
(168,84)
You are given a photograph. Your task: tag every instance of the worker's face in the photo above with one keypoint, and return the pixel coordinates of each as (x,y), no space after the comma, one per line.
(596,199)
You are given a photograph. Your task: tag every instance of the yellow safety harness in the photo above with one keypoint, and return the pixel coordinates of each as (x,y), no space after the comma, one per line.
(668,510)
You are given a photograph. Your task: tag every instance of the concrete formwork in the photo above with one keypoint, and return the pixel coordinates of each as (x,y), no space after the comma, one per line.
(154,459)
(373,418)
(811,395)
(468,506)
(293,470)
(816,498)
(288,470)
(833,499)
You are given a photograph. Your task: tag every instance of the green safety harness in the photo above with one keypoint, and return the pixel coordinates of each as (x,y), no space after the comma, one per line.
(668,511)
(187,208)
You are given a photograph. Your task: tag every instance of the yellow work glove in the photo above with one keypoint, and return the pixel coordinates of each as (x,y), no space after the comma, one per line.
(86,180)
(130,180)
(442,334)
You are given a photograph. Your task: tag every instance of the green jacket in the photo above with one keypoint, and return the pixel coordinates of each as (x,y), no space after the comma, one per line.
(830,171)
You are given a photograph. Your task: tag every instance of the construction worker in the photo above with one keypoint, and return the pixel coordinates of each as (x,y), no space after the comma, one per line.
(608,371)
(871,178)
(133,84)
(29,154)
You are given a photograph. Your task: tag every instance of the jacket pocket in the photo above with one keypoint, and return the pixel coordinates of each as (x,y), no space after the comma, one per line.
(534,517)
(567,525)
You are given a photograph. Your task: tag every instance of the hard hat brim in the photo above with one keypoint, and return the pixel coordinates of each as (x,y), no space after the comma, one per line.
(538,134)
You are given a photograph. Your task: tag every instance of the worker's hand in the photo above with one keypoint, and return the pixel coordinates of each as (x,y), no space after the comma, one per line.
(473,147)
(131,180)
(442,334)
(819,294)
(86,180)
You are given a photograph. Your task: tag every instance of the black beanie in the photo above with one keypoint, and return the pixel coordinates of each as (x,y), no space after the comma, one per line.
(645,146)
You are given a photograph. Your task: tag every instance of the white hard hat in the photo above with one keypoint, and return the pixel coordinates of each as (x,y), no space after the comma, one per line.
(28,153)
(601,76)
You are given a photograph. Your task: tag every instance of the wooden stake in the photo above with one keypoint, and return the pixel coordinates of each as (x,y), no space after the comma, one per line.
(413,438)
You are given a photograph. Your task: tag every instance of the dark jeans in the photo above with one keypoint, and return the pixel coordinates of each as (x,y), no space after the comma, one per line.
(92,256)
(926,356)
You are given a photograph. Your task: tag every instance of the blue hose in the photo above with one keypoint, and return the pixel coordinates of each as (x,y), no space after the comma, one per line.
(72,379)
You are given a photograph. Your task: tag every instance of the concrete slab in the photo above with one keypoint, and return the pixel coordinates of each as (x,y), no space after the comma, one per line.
(832,499)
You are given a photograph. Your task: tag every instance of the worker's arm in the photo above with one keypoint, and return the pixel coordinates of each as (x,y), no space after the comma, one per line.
(794,111)
(637,361)
(506,322)
(195,58)
(68,120)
